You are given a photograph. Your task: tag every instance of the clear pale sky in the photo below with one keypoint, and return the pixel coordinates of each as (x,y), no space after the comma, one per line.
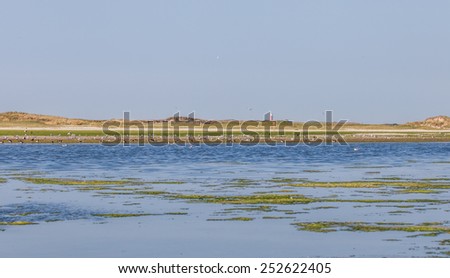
(370,61)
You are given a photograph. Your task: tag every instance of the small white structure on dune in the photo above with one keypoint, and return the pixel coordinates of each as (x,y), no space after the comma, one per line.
(268,116)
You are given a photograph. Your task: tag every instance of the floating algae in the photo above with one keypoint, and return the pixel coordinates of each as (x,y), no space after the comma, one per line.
(315,171)
(62,181)
(176,213)
(374,184)
(16,223)
(249,209)
(399,212)
(288,199)
(389,179)
(131,204)
(323,207)
(248,199)
(436,179)
(231,219)
(121,215)
(28,213)
(368,167)
(151,192)
(165,182)
(278,217)
(418,191)
(241,182)
(325,227)
(40,212)
(286,180)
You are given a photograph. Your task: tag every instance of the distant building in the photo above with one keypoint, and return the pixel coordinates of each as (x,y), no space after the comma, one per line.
(268,116)
(191,117)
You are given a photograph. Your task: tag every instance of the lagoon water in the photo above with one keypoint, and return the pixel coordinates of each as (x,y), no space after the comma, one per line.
(81,221)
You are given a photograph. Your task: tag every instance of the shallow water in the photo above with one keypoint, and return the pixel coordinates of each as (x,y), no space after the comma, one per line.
(82,221)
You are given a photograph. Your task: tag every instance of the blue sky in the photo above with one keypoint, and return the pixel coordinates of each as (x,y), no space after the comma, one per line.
(369,61)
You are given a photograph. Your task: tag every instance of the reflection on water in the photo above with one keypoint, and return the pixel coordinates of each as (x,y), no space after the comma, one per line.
(92,200)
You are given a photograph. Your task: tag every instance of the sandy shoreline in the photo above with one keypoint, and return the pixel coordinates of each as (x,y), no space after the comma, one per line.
(94,128)
(211,140)
(70,134)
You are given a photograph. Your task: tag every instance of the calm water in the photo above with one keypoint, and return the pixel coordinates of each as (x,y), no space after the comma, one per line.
(71,222)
